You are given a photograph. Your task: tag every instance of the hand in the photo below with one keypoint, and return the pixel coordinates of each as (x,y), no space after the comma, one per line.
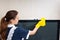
(41,23)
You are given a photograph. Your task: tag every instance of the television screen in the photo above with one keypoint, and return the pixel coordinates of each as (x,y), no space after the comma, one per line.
(49,32)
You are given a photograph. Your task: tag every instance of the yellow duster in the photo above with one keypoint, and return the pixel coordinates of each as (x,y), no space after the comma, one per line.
(42,23)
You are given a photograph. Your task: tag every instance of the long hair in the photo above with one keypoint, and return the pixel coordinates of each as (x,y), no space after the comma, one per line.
(5,21)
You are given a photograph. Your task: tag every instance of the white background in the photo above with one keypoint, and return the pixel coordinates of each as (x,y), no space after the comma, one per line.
(32,9)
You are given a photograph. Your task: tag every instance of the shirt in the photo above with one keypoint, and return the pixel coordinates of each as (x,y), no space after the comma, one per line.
(16,33)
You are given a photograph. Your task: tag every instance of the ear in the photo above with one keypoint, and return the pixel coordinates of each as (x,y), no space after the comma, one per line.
(12,20)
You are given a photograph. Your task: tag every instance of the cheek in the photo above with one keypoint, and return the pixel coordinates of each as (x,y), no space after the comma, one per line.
(16,20)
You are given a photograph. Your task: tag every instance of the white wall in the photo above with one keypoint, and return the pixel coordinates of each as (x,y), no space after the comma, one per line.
(32,9)
(3,7)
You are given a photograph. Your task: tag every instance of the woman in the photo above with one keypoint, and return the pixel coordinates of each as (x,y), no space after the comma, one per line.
(10,32)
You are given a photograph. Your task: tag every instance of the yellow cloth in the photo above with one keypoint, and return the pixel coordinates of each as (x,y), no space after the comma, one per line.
(41,23)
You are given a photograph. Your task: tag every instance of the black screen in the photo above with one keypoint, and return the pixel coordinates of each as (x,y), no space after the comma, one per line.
(49,32)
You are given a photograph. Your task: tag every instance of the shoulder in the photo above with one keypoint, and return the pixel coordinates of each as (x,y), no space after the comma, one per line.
(20,29)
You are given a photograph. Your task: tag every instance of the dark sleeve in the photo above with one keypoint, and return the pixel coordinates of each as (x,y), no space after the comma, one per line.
(22,32)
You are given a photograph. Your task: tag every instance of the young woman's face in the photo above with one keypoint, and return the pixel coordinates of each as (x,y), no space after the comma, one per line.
(15,21)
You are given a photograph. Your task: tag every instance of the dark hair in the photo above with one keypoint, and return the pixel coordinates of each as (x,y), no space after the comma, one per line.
(5,21)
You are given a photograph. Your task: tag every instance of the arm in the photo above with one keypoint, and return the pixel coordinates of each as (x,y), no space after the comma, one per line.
(33,31)
(38,25)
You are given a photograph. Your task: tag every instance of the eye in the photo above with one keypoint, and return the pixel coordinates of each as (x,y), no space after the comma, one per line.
(17,18)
